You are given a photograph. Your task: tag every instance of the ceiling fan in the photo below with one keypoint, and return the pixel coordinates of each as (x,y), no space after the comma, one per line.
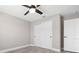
(33,9)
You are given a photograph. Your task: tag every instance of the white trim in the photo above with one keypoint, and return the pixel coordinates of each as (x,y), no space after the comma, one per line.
(20,47)
(71,51)
(53,49)
(57,50)
(11,49)
(31,45)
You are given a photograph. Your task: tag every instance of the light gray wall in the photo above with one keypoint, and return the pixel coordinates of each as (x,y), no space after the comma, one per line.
(56,19)
(14,32)
(70,16)
(57,32)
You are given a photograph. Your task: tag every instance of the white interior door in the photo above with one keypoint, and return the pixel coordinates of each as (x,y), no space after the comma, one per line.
(71,33)
(43,34)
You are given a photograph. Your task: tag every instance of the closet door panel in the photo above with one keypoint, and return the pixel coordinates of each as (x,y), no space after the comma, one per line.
(43,34)
(76,40)
(69,35)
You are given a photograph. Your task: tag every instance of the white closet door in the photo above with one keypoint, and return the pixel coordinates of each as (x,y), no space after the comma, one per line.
(43,34)
(69,35)
(77,35)
(71,32)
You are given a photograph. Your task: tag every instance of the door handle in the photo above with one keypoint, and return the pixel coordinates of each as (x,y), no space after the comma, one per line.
(65,36)
(50,36)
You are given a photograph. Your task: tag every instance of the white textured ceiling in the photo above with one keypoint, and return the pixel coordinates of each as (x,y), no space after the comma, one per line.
(48,10)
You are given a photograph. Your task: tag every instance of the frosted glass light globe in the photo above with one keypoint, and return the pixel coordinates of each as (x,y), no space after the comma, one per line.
(32,10)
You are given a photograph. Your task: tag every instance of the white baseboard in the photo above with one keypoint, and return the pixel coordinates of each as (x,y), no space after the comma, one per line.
(57,50)
(53,49)
(20,47)
(31,45)
(11,49)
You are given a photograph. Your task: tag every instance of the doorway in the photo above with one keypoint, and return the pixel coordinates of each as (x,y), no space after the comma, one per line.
(43,34)
(71,35)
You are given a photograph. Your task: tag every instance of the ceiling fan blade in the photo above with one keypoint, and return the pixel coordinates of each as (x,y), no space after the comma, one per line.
(26,6)
(33,6)
(37,5)
(39,11)
(26,12)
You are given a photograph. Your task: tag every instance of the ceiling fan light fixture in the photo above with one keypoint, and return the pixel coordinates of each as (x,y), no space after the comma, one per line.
(32,10)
